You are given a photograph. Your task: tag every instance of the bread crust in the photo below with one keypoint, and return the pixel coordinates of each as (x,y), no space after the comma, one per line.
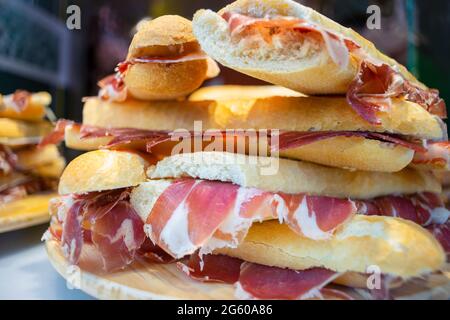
(103,170)
(289,176)
(165,36)
(13,128)
(398,247)
(317,75)
(301,114)
(237,92)
(160,81)
(167,30)
(340,152)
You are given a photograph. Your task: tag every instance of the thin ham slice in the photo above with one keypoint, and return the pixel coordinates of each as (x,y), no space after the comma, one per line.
(114,228)
(206,215)
(424,209)
(264,282)
(8,160)
(338,47)
(291,140)
(212,268)
(437,156)
(285,140)
(374,87)
(18,101)
(255,281)
(442,234)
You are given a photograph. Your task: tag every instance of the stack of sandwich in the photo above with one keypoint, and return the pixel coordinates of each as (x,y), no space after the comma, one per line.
(282,195)
(29,174)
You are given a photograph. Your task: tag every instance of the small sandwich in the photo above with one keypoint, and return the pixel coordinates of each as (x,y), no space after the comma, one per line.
(306,231)
(288,44)
(23,105)
(28,173)
(323,130)
(164,62)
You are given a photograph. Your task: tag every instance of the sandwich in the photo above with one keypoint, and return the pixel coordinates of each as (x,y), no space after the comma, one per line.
(288,44)
(28,173)
(164,62)
(220,220)
(323,130)
(24,105)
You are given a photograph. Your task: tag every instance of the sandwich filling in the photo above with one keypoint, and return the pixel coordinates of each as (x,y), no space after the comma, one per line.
(374,86)
(434,154)
(190,219)
(17,183)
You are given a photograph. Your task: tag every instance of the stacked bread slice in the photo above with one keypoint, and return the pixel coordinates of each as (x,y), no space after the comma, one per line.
(29,174)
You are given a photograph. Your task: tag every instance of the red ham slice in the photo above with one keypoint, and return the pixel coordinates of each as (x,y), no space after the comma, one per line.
(57,135)
(285,140)
(8,160)
(423,209)
(290,140)
(152,253)
(337,47)
(256,281)
(113,87)
(442,234)
(212,268)
(114,228)
(20,100)
(373,88)
(264,282)
(437,155)
(206,215)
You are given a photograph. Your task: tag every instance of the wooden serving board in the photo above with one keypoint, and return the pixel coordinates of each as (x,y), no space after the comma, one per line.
(165,281)
(26,212)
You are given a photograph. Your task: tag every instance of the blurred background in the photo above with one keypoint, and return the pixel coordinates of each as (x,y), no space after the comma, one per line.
(39,52)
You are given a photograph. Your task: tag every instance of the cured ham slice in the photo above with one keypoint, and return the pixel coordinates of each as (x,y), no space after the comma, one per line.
(290,140)
(115,229)
(437,156)
(112,88)
(264,282)
(206,215)
(212,268)
(254,281)
(337,47)
(18,101)
(285,139)
(442,234)
(8,160)
(375,85)
(424,209)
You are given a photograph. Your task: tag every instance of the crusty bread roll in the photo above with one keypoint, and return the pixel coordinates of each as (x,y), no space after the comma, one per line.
(340,152)
(303,65)
(34,110)
(103,170)
(398,247)
(12,128)
(289,176)
(236,92)
(165,37)
(32,157)
(52,169)
(301,114)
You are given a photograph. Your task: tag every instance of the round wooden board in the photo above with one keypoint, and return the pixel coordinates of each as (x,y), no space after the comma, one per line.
(165,281)
(138,281)
(26,212)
